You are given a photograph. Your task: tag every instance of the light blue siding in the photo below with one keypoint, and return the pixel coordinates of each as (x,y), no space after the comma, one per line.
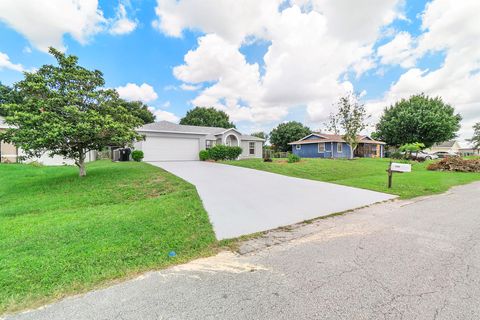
(311,150)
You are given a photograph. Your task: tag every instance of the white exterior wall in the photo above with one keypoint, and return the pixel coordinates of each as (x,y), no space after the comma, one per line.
(168,149)
(46,160)
(246,150)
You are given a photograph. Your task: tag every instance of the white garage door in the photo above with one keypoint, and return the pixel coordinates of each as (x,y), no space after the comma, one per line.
(168,149)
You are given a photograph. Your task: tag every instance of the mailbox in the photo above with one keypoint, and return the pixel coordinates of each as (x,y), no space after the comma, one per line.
(401,167)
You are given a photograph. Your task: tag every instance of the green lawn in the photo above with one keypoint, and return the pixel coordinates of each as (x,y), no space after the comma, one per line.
(60,234)
(365,173)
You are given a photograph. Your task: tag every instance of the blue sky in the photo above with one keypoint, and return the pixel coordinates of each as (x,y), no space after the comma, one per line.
(264,64)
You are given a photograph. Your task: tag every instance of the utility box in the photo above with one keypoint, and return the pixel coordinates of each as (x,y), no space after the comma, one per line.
(124,154)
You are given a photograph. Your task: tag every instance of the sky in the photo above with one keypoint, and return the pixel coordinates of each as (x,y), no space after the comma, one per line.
(262,62)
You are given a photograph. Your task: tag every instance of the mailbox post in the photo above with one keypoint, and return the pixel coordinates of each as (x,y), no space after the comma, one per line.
(397,167)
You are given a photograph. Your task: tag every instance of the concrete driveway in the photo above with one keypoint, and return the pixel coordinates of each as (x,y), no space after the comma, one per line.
(242,201)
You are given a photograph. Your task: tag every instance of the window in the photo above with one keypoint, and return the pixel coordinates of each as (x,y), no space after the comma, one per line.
(339,147)
(208,144)
(251,147)
(321,147)
(298,146)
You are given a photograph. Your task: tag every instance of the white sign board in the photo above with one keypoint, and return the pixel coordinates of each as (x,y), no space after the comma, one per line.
(400,167)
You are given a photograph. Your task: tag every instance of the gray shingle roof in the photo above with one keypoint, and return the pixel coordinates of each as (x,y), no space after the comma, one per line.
(166,126)
(446,144)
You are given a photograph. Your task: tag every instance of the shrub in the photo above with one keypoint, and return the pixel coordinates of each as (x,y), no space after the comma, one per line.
(137,155)
(456,164)
(293,158)
(221,152)
(396,155)
(204,155)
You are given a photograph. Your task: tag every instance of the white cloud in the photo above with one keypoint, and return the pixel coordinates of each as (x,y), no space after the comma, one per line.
(307,55)
(27,49)
(121,24)
(398,51)
(452,27)
(231,19)
(5,63)
(44,23)
(166,104)
(134,92)
(165,115)
(189,87)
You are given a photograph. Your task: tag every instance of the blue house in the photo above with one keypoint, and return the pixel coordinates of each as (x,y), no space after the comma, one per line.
(321,145)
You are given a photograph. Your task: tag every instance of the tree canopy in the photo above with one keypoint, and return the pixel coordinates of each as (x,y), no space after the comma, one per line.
(287,132)
(475,140)
(7,96)
(418,119)
(139,110)
(207,117)
(66,111)
(350,119)
(261,135)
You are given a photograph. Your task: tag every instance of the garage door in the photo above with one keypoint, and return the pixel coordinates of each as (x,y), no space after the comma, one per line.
(169,149)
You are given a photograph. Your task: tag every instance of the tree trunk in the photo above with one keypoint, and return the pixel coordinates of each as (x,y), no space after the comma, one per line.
(81,166)
(352,151)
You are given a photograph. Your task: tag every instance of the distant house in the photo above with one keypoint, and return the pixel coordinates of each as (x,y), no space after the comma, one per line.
(465,152)
(11,154)
(321,145)
(451,146)
(8,152)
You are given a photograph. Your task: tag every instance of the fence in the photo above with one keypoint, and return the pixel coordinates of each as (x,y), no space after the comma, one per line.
(275,154)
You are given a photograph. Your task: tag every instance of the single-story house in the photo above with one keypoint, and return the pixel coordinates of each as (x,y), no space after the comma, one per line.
(322,145)
(168,141)
(465,152)
(451,146)
(10,154)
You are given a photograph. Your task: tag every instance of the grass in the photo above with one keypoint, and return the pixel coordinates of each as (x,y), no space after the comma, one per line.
(365,173)
(60,234)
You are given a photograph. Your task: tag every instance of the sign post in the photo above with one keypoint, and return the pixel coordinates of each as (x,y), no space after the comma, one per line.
(397,167)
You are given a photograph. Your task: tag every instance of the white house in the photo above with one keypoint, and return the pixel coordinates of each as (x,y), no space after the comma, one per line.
(451,146)
(168,141)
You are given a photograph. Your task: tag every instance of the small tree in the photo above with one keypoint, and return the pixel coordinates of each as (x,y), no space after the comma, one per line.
(207,117)
(418,119)
(409,148)
(350,118)
(475,140)
(287,132)
(65,111)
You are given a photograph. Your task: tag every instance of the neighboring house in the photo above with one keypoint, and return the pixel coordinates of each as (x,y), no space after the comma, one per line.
(168,141)
(465,152)
(321,145)
(451,146)
(10,154)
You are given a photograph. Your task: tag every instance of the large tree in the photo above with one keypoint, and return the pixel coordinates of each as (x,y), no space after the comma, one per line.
(139,109)
(66,111)
(350,119)
(418,119)
(287,132)
(475,140)
(261,135)
(207,117)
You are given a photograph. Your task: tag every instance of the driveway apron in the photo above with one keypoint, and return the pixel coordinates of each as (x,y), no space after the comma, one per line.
(241,201)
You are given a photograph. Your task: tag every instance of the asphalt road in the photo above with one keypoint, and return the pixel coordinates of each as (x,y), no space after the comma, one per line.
(242,201)
(415,259)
